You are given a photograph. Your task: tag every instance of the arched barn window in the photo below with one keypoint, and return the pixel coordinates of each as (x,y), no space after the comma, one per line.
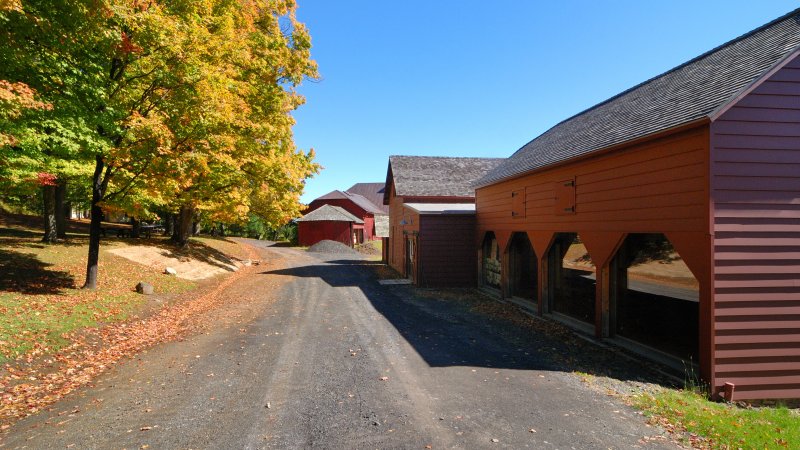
(522,267)
(571,278)
(654,296)
(490,264)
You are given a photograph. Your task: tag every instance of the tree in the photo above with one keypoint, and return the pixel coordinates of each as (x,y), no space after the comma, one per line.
(232,144)
(180,105)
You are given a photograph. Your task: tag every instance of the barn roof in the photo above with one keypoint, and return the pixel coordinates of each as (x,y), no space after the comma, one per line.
(372,192)
(435,176)
(442,208)
(692,91)
(330,213)
(359,200)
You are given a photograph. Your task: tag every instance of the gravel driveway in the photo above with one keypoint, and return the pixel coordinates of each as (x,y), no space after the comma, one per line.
(314,353)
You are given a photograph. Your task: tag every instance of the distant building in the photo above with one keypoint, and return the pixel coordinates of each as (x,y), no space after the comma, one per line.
(359,202)
(432,217)
(327,222)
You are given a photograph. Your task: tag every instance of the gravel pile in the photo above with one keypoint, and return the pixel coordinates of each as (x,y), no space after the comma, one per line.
(334,247)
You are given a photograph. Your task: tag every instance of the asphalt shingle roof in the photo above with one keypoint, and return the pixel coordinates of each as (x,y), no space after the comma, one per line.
(372,192)
(691,91)
(359,200)
(433,176)
(330,212)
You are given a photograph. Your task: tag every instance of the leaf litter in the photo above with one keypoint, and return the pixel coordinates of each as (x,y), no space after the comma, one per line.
(32,382)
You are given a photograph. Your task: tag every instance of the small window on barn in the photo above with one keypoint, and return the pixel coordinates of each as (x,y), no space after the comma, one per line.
(565,197)
(518,203)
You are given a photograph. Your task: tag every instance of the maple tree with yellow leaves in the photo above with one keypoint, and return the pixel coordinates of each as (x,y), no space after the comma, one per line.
(179,105)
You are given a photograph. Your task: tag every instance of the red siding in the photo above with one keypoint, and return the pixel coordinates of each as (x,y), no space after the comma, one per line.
(352,208)
(309,233)
(447,252)
(656,186)
(756,195)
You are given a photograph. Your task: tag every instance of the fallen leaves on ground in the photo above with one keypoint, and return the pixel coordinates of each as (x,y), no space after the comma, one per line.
(28,388)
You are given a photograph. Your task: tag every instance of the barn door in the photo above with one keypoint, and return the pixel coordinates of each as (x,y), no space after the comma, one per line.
(411,257)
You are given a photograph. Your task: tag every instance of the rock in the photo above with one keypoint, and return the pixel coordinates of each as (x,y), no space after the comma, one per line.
(144,288)
(170,271)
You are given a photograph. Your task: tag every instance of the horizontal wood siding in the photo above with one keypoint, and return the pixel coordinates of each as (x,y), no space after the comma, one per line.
(397,212)
(659,186)
(309,233)
(396,250)
(756,193)
(656,186)
(447,252)
(352,208)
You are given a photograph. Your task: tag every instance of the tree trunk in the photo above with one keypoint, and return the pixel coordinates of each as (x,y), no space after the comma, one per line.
(136,228)
(99,184)
(61,212)
(183,230)
(49,213)
(169,224)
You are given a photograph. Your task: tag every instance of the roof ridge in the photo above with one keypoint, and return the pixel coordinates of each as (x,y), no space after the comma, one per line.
(795,12)
(441,157)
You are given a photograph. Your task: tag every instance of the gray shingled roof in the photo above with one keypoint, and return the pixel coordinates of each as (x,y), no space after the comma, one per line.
(372,192)
(359,200)
(432,176)
(330,212)
(691,91)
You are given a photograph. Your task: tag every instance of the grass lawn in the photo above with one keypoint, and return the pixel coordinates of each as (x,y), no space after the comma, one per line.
(373,249)
(40,302)
(723,425)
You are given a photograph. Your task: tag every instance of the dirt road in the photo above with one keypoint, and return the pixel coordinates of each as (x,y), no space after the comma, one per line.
(319,355)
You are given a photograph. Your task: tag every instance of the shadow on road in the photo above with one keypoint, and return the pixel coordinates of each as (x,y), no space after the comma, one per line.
(463,327)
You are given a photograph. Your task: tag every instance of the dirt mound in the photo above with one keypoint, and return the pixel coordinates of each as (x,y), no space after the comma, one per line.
(327,246)
(190,266)
(368,249)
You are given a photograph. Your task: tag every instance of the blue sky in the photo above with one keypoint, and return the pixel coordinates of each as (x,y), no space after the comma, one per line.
(482,78)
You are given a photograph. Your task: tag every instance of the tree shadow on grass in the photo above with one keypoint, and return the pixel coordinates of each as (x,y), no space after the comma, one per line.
(26,274)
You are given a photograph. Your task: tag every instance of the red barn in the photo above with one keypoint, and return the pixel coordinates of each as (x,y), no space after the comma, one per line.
(667,218)
(357,205)
(328,222)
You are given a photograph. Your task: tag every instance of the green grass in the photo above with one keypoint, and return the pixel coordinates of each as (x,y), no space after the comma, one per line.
(39,297)
(372,248)
(724,425)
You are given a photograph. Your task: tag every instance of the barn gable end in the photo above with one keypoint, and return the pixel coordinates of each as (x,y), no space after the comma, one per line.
(755,190)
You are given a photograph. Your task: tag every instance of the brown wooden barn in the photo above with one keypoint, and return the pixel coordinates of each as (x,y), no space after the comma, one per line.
(328,222)
(438,238)
(667,218)
(432,180)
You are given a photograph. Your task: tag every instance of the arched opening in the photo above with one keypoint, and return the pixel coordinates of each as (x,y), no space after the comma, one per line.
(571,278)
(522,267)
(655,297)
(490,262)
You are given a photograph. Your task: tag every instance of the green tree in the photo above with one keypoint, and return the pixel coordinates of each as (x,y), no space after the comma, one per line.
(177,104)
